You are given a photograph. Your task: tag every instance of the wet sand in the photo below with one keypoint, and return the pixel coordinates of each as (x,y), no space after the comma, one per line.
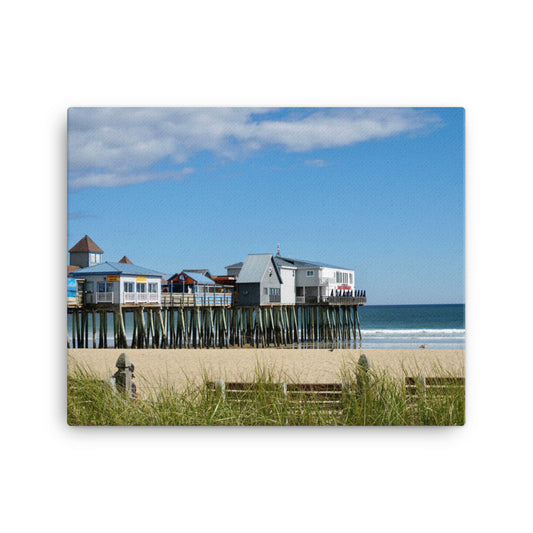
(175,368)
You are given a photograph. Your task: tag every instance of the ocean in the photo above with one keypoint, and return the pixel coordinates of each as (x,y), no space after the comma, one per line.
(384,326)
(411,326)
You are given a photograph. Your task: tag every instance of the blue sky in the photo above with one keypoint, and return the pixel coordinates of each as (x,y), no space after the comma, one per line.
(379,190)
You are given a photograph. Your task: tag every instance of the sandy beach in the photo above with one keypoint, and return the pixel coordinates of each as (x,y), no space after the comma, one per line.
(175,368)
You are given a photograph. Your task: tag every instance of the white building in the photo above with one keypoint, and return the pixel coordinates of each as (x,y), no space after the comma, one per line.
(317,282)
(307,281)
(120,283)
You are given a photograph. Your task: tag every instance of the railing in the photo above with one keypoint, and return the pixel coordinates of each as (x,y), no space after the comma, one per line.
(354,300)
(346,300)
(209,298)
(101,297)
(275,298)
(140,297)
(73,301)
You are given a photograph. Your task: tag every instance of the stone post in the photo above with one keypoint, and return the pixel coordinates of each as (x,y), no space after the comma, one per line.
(123,374)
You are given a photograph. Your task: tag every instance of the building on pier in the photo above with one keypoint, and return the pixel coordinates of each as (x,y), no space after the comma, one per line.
(119,283)
(302,281)
(196,287)
(259,281)
(234,270)
(318,282)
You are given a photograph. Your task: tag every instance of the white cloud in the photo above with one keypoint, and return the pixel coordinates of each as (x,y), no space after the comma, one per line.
(117,146)
(115,179)
(315,163)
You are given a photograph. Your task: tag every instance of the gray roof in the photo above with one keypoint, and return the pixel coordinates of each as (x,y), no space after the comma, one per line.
(254,268)
(236,265)
(303,263)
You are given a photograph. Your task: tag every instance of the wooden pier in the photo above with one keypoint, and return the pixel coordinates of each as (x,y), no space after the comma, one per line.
(155,326)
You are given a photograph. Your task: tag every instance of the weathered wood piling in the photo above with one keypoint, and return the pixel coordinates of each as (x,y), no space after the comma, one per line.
(216,326)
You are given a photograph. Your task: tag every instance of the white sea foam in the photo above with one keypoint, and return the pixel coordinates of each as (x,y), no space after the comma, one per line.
(413,333)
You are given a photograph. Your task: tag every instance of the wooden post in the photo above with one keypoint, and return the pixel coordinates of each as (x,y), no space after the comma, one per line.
(74,332)
(86,329)
(124,339)
(362,375)
(104,314)
(94,328)
(358,326)
(134,334)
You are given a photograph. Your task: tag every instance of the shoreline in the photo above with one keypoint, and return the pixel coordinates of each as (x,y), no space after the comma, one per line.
(176,368)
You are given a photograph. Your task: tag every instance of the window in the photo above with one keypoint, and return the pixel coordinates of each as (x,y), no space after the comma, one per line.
(105,286)
(351,279)
(274,291)
(95,258)
(265,291)
(310,273)
(152,287)
(128,286)
(141,287)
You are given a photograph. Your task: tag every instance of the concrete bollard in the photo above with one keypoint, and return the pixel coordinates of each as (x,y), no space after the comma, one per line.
(123,375)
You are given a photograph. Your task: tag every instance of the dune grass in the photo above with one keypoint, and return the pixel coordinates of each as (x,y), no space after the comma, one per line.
(370,399)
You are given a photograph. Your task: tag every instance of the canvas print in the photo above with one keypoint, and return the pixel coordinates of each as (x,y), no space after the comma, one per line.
(265,266)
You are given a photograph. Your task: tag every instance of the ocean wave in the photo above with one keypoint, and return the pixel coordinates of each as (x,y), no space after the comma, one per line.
(414,333)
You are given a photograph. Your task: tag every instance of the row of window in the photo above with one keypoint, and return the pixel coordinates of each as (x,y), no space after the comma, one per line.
(344,277)
(340,277)
(140,287)
(273,291)
(129,286)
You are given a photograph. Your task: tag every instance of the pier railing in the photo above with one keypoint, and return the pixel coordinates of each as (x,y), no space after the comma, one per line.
(349,300)
(332,300)
(196,299)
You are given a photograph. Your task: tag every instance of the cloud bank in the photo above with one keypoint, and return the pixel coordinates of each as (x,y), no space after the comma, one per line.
(110,147)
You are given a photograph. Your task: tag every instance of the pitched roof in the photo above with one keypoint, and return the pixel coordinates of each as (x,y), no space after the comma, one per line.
(115,268)
(72,268)
(203,271)
(86,244)
(125,260)
(198,277)
(254,268)
(195,276)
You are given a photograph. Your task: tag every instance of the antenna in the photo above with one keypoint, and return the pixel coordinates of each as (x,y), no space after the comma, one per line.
(278,250)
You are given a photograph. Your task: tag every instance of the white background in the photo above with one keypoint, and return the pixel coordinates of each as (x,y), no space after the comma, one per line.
(380,53)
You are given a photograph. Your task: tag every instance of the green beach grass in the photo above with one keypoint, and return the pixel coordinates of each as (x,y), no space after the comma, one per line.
(371,399)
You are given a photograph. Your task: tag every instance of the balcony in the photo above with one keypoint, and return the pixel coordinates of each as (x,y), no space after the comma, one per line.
(99,298)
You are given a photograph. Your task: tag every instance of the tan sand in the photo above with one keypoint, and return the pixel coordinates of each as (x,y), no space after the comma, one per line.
(175,367)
